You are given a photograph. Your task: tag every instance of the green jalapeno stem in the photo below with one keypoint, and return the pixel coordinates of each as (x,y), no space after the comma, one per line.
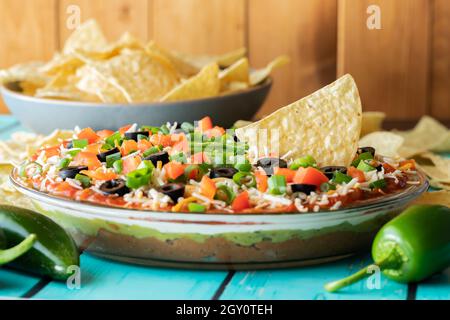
(10,254)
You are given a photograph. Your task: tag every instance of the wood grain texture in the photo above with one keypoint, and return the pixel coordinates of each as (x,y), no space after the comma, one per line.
(307,284)
(306,32)
(114,16)
(390,65)
(28,32)
(440,60)
(199,26)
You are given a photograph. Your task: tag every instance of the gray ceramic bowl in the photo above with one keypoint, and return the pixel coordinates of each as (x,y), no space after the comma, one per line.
(45,115)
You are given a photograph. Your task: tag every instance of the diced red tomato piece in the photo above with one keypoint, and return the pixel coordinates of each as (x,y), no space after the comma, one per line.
(94,148)
(88,159)
(103,134)
(174,169)
(261,181)
(160,139)
(205,124)
(128,146)
(124,129)
(64,189)
(241,202)
(130,164)
(100,174)
(214,132)
(193,174)
(310,175)
(355,173)
(287,173)
(407,165)
(144,145)
(208,187)
(89,135)
(388,168)
(199,158)
(52,151)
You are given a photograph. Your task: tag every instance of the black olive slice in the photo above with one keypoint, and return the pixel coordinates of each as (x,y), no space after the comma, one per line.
(328,171)
(173,190)
(134,135)
(71,172)
(116,186)
(366,149)
(102,156)
(162,156)
(223,172)
(305,188)
(268,164)
(69,145)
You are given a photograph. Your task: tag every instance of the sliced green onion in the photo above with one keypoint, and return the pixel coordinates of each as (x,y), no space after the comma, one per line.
(187,127)
(179,157)
(244,167)
(141,137)
(196,207)
(379,184)
(138,178)
(106,147)
(362,157)
(277,184)
(245,178)
(85,180)
(63,163)
(110,159)
(365,167)
(306,161)
(225,193)
(73,152)
(339,177)
(118,166)
(153,130)
(80,143)
(326,186)
(151,151)
(164,129)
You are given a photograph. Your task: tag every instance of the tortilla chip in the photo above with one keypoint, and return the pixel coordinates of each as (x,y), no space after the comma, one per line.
(428,134)
(439,168)
(439,185)
(27,74)
(200,61)
(437,197)
(241,123)
(236,73)
(204,84)
(372,121)
(325,125)
(259,75)
(61,63)
(87,37)
(385,143)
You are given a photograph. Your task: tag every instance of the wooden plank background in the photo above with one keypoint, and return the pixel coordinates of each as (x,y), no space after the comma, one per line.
(402,69)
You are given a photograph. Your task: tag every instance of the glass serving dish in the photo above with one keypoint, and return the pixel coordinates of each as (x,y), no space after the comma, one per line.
(222,241)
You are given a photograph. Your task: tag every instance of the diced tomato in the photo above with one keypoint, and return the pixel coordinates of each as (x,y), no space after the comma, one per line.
(143,145)
(105,133)
(388,168)
(52,151)
(89,135)
(94,148)
(193,174)
(214,132)
(407,165)
(205,124)
(64,189)
(100,174)
(241,202)
(208,187)
(160,139)
(261,181)
(88,159)
(287,173)
(310,175)
(128,146)
(124,129)
(355,173)
(130,164)
(199,158)
(174,169)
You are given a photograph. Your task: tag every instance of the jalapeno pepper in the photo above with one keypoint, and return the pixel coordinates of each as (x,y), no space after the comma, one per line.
(409,248)
(8,255)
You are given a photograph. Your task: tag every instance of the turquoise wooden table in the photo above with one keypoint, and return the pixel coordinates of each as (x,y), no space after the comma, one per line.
(103,279)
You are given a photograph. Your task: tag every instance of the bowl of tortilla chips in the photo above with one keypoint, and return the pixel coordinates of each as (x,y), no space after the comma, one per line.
(96,83)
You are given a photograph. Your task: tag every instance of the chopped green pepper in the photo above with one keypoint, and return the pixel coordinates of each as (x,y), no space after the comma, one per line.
(146,164)
(118,166)
(80,143)
(306,161)
(225,193)
(138,178)
(85,180)
(115,138)
(196,207)
(63,163)
(410,248)
(151,151)
(364,166)
(244,167)
(379,184)
(277,184)
(245,178)
(110,159)
(361,157)
(339,177)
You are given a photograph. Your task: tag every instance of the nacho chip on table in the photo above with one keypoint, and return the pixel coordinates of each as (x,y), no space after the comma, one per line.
(236,73)
(385,143)
(325,125)
(203,85)
(87,37)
